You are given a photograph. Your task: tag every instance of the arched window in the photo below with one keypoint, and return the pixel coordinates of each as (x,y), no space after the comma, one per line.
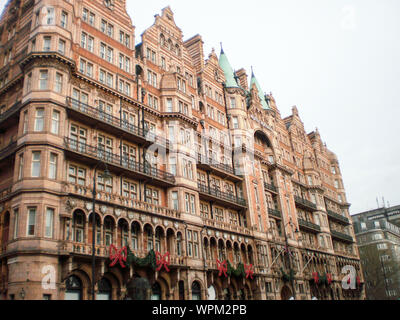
(156,292)
(179,244)
(162,40)
(78,226)
(196,291)
(149,234)
(104,292)
(73,288)
(135,236)
(158,240)
(123,226)
(108,231)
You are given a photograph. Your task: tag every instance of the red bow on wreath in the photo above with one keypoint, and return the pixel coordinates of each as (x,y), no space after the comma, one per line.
(358,281)
(163,261)
(349,280)
(316,277)
(223,268)
(329,278)
(249,271)
(118,256)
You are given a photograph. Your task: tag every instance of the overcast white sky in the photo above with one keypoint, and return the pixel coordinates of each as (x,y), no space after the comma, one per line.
(337,60)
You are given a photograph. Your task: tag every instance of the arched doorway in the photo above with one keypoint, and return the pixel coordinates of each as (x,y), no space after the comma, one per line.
(286,293)
(104,290)
(156,292)
(139,289)
(73,290)
(196,291)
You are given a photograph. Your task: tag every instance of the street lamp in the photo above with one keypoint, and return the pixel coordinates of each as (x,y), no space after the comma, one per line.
(290,257)
(106,175)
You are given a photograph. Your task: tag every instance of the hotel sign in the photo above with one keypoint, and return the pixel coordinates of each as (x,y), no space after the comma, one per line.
(260,122)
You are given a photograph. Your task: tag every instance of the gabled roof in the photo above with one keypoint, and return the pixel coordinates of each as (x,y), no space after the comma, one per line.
(228,71)
(260,91)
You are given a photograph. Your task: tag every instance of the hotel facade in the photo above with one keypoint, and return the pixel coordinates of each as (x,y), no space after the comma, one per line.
(213,192)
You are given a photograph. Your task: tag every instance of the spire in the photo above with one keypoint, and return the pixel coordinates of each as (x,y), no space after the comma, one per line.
(260,91)
(228,71)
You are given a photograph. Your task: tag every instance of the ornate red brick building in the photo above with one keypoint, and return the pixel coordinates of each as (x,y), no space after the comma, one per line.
(188,158)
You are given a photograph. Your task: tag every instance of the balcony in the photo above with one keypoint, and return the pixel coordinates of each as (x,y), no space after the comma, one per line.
(112,124)
(275,213)
(342,236)
(224,226)
(123,202)
(223,198)
(338,218)
(222,170)
(309,226)
(7,151)
(120,164)
(5,193)
(305,204)
(270,187)
(10,118)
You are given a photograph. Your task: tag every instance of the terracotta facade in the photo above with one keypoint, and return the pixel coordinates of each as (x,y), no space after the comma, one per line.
(203,167)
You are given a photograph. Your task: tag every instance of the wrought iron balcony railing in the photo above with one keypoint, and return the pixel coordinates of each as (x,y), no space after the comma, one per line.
(222,195)
(305,203)
(275,213)
(342,236)
(309,225)
(8,150)
(270,187)
(338,217)
(212,163)
(102,116)
(108,157)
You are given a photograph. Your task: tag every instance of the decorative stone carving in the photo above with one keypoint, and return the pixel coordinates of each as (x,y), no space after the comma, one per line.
(89,206)
(103,209)
(118,212)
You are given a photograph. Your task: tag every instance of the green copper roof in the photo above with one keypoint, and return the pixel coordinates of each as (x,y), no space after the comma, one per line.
(228,71)
(260,91)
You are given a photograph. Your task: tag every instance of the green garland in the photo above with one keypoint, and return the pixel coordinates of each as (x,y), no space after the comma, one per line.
(149,261)
(238,272)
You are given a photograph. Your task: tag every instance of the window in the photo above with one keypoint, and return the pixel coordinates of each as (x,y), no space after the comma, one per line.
(36,167)
(233,103)
(61,46)
(90,45)
(16,223)
(169,105)
(103,50)
(105,185)
(175,201)
(50,16)
(83,40)
(172,165)
(31,222)
(152,196)
(382,246)
(43,79)
(21,167)
(59,83)
(53,166)
(235,123)
(110,55)
(49,223)
(64,19)
(46,44)
(129,190)
(77,175)
(29,82)
(39,120)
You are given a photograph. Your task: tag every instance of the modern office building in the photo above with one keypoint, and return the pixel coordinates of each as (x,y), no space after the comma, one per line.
(378,238)
(216,194)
